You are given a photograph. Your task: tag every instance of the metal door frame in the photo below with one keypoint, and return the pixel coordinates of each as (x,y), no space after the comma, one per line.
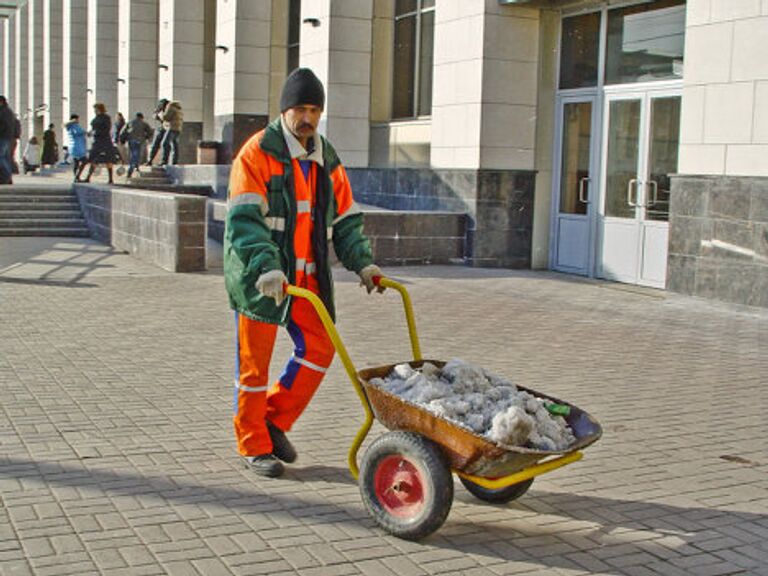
(645,92)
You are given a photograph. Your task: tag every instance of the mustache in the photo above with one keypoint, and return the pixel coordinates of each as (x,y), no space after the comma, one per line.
(305,125)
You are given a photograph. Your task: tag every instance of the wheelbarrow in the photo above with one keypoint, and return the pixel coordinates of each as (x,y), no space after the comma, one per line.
(405,475)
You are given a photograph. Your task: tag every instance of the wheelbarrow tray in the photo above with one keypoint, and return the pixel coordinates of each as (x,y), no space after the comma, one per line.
(466,451)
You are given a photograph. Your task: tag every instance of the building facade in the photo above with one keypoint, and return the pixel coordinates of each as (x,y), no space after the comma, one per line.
(624,140)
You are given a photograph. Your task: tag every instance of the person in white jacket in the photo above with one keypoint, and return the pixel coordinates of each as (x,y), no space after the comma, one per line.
(31,157)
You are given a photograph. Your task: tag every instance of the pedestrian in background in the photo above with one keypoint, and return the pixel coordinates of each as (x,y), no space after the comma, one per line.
(138,132)
(7,138)
(15,142)
(173,121)
(159,131)
(118,138)
(103,151)
(291,173)
(50,147)
(76,142)
(30,160)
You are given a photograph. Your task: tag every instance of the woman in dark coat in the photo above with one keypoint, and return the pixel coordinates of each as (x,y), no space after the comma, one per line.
(50,147)
(102,150)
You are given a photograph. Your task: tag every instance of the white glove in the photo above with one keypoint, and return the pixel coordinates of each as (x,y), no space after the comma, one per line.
(271,285)
(366,278)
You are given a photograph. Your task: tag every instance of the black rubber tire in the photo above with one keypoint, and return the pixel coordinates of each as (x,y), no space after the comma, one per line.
(500,496)
(434,475)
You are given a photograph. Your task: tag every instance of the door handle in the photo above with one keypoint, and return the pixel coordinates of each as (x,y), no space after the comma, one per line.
(654,197)
(582,189)
(630,185)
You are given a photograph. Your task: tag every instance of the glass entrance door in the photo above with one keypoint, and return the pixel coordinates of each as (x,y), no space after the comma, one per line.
(575,181)
(641,148)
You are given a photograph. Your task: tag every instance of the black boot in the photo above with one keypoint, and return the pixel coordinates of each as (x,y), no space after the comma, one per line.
(281,446)
(264,465)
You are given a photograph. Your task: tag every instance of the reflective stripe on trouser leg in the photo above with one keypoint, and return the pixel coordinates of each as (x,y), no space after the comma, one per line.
(313,354)
(255,341)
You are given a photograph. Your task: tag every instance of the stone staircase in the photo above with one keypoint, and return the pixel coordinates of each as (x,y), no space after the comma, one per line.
(149,177)
(40,211)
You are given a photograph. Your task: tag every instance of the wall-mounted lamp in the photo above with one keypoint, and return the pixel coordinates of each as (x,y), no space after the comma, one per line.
(224,49)
(162,66)
(64,98)
(121,80)
(315,22)
(89,90)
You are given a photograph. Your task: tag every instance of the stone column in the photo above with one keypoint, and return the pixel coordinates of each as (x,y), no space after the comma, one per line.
(74,60)
(102,55)
(339,52)
(484,97)
(35,68)
(181,65)
(5,57)
(242,72)
(718,211)
(21,96)
(52,64)
(137,58)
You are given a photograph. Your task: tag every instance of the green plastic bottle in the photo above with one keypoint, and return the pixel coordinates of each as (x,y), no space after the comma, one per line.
(557,409)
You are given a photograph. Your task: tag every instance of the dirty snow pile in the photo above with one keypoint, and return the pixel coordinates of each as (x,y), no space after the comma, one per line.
(486,403)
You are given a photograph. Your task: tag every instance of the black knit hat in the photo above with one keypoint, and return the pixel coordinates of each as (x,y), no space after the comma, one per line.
(302,87)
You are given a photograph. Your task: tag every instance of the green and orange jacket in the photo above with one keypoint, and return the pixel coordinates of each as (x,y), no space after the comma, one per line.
(261,219)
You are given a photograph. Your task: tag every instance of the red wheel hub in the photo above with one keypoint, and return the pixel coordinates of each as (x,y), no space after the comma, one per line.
(399,486)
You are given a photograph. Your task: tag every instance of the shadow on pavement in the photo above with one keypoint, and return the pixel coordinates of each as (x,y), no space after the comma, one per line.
(658,531)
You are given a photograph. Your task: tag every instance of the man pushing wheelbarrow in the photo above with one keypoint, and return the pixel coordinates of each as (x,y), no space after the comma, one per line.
(289,195)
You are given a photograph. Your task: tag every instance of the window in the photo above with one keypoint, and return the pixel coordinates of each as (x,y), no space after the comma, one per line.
(645,42)
(294,21)
(412,76)
(579,51)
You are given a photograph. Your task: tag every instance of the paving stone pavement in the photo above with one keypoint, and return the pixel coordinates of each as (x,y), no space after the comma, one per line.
(117,453)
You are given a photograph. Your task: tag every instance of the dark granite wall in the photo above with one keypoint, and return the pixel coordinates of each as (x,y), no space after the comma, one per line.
(498,204)
(718,238)
(232,130)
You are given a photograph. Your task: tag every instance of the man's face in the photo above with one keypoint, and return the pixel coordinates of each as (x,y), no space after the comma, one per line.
(302,120)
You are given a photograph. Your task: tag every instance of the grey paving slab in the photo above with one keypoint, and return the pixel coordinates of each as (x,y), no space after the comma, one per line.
(117,453)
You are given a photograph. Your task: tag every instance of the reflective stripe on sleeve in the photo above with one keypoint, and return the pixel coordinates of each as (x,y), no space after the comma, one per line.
(250,388)
(309,364)
(353,209)
(249,198)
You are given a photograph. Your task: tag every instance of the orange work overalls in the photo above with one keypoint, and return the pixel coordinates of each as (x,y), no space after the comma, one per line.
(284,401)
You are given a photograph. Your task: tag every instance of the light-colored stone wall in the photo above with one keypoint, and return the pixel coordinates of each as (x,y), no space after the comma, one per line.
(52,64)
(724,124)
(102,56)
(278,54)
(35,65)
(549,32)
(339,52)
(484,86)
(4,56)
(21,98)
(509,87)
(74,59)
(457,84)
(243,69)
(137,58)
(181,34)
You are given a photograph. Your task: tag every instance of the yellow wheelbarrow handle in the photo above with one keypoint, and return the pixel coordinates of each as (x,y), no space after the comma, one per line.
(330,328)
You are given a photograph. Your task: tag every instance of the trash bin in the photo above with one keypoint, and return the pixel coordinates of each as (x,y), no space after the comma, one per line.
(207,152)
